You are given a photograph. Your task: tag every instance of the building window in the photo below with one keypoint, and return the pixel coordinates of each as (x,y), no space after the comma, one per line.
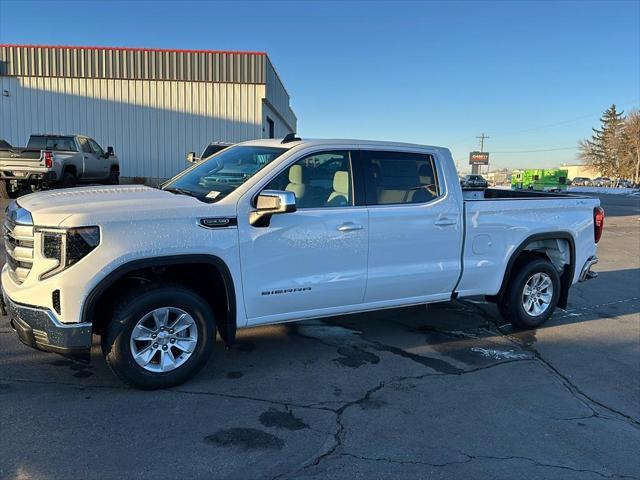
(271,126)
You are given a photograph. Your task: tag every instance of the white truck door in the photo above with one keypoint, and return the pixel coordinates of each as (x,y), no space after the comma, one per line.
(315,259)
(415,228)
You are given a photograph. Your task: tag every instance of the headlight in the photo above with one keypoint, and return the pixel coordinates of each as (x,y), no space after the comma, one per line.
(67,246)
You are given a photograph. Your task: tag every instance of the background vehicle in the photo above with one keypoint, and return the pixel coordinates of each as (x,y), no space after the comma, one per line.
(4,144)
(547,180)
(474,181)
(213,147)
(313,228)
(581,182)
(601,182)
(55,161)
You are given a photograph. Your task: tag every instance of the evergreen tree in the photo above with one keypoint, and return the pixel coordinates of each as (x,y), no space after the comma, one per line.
(605,149)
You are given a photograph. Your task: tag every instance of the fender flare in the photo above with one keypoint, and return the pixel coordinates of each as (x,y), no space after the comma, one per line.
(226,326)
(566,279)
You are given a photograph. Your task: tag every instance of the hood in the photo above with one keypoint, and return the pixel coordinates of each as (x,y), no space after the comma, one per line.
(95,205)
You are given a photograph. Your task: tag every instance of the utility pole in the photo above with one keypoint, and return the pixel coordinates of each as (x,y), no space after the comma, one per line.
(482,137)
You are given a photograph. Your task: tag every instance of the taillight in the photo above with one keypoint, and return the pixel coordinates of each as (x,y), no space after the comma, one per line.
(598,223)
(48,159)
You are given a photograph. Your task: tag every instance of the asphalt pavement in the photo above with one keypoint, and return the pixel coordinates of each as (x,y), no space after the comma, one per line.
(446,391)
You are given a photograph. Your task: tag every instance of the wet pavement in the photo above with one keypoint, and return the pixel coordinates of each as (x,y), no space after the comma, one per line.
(447,391)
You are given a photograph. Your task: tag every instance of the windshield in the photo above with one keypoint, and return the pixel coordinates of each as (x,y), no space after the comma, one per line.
(219,175)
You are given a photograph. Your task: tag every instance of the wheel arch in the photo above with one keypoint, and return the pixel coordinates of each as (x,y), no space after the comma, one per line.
(566,277)
(226,318)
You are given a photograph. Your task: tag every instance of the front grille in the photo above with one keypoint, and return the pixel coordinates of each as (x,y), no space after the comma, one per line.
(18,243)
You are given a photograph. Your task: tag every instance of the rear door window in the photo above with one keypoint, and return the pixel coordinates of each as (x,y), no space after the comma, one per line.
(84,145)
(400,177)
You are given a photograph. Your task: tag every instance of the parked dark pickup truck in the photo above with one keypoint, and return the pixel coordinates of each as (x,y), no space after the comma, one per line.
(55,161)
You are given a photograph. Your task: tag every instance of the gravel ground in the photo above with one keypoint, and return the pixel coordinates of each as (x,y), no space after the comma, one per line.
(441,392)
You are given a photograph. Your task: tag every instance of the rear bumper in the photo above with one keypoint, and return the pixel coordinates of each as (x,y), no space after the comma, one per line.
(586,273)
(29,176)
(39,328)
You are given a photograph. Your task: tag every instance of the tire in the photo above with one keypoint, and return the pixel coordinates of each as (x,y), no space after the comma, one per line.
(114,178)
(68,180)
(5,190)
(118,346)
(515,307)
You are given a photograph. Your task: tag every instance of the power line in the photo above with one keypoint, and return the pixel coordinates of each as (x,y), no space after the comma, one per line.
(538,150)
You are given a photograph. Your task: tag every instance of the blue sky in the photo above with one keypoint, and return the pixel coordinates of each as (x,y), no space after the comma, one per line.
(531,75)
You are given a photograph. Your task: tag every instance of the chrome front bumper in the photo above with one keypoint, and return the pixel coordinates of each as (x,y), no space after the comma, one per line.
(39,328)
(586,273)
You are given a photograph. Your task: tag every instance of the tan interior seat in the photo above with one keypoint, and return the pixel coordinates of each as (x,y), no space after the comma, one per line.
(296,182)
(340,195)
(399,178)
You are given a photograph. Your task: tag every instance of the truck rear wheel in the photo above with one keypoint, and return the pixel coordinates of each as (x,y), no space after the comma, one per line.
(532,294)
(68,180)
(159,336)
(6,191)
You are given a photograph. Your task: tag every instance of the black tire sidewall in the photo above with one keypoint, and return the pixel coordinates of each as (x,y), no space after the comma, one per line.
(514,308)
(68,180)
(116,342)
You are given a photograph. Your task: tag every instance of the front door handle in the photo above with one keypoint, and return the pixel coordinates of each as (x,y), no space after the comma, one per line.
(444,221)
(349,227)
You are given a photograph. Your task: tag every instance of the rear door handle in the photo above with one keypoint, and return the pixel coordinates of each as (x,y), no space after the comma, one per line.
(444,221)
(349,227)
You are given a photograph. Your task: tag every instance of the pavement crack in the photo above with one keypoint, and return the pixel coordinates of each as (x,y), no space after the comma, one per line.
(470,458)
(589,402)
(545,465)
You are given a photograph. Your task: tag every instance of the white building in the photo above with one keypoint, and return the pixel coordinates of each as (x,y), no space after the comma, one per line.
(153,106)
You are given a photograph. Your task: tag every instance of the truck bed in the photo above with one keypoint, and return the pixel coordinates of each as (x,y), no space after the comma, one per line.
(498,222)
(502,193)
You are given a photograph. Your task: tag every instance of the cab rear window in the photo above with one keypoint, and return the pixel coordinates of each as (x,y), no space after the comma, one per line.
(38,142)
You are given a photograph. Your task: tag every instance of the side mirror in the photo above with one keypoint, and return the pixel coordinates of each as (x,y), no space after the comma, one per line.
(191,157)
(272,202)
(110,152)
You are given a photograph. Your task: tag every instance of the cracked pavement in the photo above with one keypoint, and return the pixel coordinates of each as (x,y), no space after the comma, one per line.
(447,391)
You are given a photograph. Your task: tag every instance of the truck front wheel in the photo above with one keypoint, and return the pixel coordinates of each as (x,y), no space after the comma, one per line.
(532,294)
(159,336)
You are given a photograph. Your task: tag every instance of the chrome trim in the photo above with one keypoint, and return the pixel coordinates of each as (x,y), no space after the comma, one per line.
(586,273)
(41,328)
(19,239)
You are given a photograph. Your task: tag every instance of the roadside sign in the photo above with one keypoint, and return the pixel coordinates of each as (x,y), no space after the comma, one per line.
(479,158)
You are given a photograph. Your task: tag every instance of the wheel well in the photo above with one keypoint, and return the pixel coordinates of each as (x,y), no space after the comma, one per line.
(115,168)
(70,169)
(207,279)
(559,250)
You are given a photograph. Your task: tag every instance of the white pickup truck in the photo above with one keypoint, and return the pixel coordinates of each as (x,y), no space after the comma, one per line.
(312,229)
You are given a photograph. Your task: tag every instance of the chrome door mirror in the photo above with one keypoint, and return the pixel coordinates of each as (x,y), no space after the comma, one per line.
(272,202)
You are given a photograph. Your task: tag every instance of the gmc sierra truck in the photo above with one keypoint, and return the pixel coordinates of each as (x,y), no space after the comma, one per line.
(307,229)
(55,161)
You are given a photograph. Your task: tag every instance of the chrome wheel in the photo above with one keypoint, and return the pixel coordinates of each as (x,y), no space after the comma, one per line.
(537,294)
(164,339)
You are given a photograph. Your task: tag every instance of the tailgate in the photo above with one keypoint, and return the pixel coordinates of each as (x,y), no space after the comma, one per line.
(20,157)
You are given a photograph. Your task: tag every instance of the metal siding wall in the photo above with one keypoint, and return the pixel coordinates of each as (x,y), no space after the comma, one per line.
(278,96)
(150,124)
(78,62)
